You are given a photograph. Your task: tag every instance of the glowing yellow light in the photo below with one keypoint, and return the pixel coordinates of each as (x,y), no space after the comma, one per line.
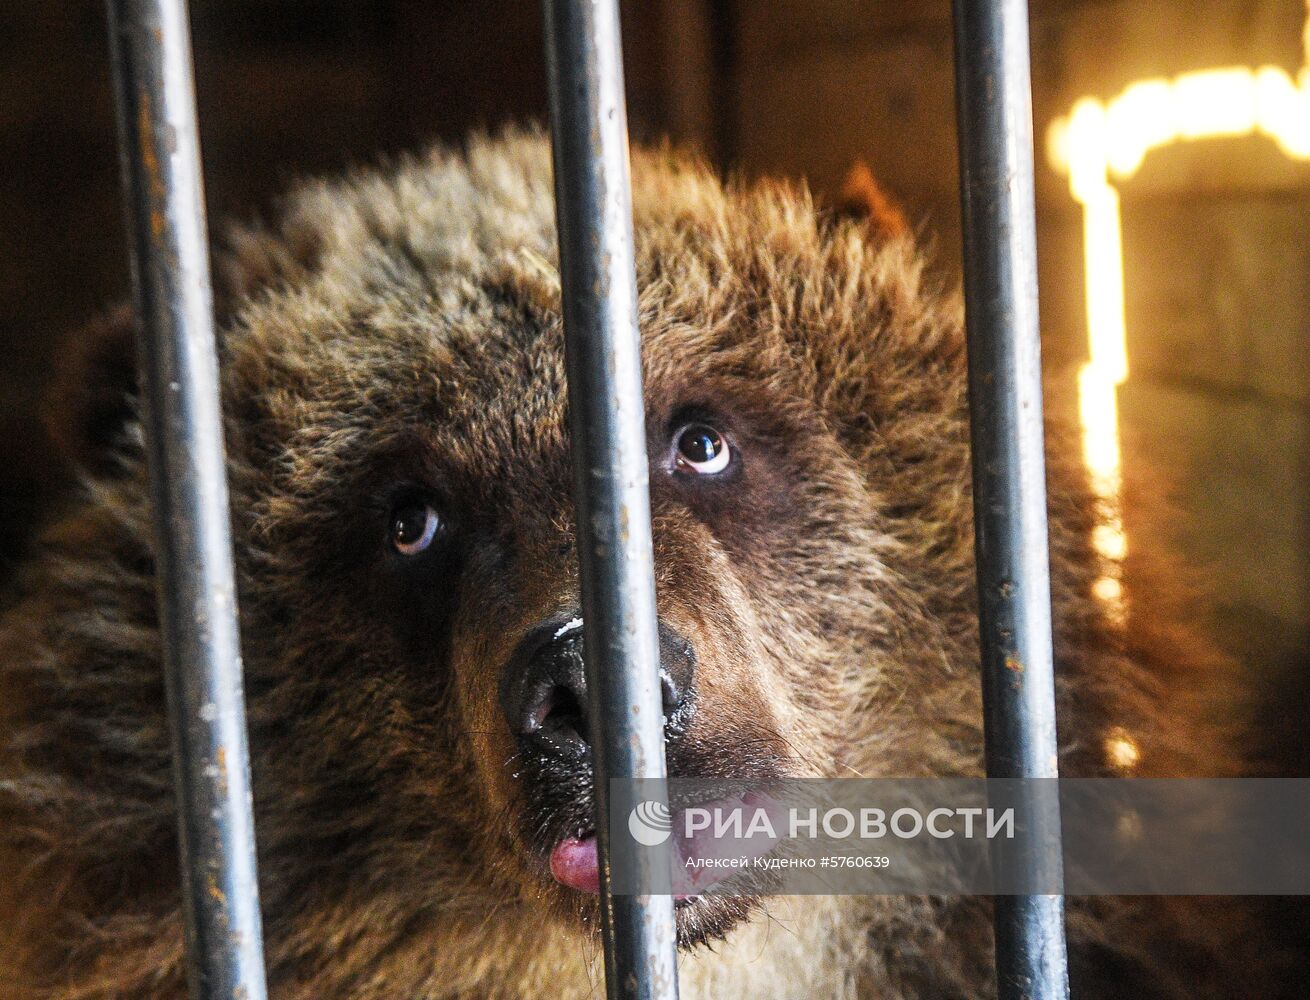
(1098,411)
(1103,242)
(1108,539)
(1121,751)
(1107,588)
(1099,143)
(1141,119)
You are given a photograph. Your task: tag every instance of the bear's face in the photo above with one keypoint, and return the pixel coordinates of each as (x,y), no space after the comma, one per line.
(410,599)
(411,579)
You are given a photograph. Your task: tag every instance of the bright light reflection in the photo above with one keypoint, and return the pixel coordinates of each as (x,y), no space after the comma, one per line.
(1121,751)
(1100,144)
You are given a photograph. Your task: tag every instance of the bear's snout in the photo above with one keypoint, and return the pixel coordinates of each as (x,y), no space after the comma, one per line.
(543,690)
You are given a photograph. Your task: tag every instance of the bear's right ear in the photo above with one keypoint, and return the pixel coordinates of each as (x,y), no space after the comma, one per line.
(92,396)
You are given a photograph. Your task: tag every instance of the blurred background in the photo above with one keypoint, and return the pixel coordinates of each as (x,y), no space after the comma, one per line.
(1173,145)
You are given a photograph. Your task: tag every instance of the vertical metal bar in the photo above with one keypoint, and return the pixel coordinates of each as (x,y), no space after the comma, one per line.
(994,107)
(160,156)
(594,217)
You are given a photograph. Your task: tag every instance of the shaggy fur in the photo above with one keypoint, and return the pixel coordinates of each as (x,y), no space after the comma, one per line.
(398,334)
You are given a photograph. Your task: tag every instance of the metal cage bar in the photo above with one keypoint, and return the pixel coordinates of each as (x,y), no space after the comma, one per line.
(602,346)
(160,156)
(994,108)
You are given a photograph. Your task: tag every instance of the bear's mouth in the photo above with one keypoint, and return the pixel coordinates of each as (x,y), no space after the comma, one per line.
(699,851)
(575,864)
(556,834)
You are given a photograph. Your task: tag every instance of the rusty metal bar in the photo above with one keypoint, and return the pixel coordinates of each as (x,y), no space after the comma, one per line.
(994,106)
(594,216)
(160,156)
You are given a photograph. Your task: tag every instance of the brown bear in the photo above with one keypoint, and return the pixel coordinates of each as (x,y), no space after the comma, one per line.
(400,473)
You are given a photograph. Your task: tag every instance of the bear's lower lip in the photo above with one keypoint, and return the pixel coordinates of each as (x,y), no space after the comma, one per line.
(575,862)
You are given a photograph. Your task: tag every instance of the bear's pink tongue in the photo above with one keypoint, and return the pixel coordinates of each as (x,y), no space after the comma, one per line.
(574,864)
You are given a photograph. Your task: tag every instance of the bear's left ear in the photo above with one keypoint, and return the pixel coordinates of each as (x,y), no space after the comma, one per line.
(91,398)
(863,199)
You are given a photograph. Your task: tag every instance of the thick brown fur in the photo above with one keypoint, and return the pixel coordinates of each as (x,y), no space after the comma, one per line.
(400,330)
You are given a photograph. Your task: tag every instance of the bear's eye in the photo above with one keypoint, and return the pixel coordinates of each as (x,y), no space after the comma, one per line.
(413,526)
(701,450)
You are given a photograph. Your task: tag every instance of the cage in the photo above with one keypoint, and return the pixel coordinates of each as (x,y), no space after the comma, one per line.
(1217,385)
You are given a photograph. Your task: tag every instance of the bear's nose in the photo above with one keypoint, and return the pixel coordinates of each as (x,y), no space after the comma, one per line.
(544,690)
